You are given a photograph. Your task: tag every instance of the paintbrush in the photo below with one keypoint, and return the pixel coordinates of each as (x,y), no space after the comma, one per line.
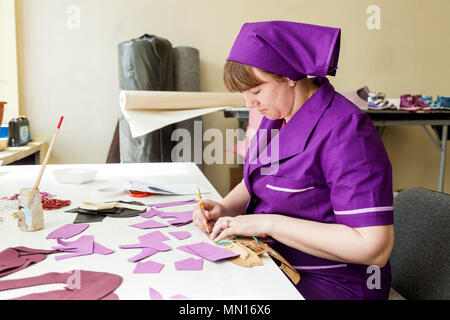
(47,156)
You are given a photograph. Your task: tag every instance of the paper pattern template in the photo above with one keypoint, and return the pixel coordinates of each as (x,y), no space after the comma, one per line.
(189,264)
(153,236)
(150,244)
(180,235)
(149,225)
(148,267)
(155,295)
(208,251)
(67,231)
(172,204)
(99,249)
(177,218)
(148,214)
(83,246)
(151,240)
(145,253)
(157,245)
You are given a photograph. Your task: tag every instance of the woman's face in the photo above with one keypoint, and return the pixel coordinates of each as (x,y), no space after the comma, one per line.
(273,99)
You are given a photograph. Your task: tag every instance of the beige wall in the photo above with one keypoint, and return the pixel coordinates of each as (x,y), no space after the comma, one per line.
(75,72)
(9,82)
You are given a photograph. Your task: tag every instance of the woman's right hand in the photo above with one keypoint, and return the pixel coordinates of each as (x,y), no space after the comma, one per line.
(213,211)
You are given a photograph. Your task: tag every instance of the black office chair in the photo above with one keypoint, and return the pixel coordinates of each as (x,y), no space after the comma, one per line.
(420,260)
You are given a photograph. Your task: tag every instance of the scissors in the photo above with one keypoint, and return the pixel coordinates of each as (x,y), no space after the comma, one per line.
(139,194)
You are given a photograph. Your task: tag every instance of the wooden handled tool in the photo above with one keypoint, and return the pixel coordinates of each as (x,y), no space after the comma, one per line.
(47,156)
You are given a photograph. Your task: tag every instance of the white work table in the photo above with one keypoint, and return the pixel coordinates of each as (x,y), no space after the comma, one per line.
(217,281)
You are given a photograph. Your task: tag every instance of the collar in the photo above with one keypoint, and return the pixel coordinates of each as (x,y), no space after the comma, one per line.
(295,134)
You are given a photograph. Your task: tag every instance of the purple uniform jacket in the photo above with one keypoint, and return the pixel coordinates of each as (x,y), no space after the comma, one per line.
(332,168)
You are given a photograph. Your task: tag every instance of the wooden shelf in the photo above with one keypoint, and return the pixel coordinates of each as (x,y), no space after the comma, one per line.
(38,147)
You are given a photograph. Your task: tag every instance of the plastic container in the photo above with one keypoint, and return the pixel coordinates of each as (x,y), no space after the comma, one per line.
(75,176)
(4,131)
(19,131)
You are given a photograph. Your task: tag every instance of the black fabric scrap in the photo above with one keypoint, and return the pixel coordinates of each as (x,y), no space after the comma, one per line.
(88,216)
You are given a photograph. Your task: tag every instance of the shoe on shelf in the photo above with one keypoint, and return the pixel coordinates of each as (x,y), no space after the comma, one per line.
(363,93)
(434,105)
(377,95)
(444,102)
(427,99)
(377,102)
(407,103)
(394,104)
(383,105)
(419,102)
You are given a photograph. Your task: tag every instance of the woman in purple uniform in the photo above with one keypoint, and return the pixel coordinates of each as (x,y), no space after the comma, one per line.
(317,178)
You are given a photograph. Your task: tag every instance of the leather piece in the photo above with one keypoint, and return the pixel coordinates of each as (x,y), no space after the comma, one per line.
(90,216)
(82,285)
(18,258)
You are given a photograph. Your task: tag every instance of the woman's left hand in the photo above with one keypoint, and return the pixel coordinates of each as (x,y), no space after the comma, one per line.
(254,225)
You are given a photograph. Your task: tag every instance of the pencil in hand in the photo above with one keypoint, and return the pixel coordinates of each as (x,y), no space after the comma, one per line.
(202,206)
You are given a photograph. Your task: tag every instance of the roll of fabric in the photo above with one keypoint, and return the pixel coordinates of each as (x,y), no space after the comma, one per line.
(186,68)
(186,62)
(145,63)
(170,100)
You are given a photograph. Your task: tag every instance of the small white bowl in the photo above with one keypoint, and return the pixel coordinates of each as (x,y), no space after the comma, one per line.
(75,175)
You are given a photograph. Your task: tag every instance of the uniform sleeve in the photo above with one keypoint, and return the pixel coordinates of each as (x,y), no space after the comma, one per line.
(358,173)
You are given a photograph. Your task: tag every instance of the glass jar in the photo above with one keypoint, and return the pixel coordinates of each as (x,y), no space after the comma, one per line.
(30,214)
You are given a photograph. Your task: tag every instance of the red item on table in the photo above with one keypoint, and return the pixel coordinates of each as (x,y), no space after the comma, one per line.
(52,204)
(139,194)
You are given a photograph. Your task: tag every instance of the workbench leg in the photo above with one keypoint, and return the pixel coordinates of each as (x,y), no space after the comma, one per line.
(37,158)
(161,147)
(443,158)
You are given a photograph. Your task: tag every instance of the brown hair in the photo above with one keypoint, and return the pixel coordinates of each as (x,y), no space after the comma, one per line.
(239,77)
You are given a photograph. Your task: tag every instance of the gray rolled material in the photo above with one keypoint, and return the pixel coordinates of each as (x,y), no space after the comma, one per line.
(145,63)
(187,78)
(186,68)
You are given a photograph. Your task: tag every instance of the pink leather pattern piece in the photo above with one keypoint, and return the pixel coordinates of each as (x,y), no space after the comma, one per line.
(180,235)
(82,285)
(148,267)
(67,231)
(145,253)
(149,225)
(155,295)
(172,204)
(18,258)
(85,245)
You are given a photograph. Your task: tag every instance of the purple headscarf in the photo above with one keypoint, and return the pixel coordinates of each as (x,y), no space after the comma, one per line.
(290,49)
